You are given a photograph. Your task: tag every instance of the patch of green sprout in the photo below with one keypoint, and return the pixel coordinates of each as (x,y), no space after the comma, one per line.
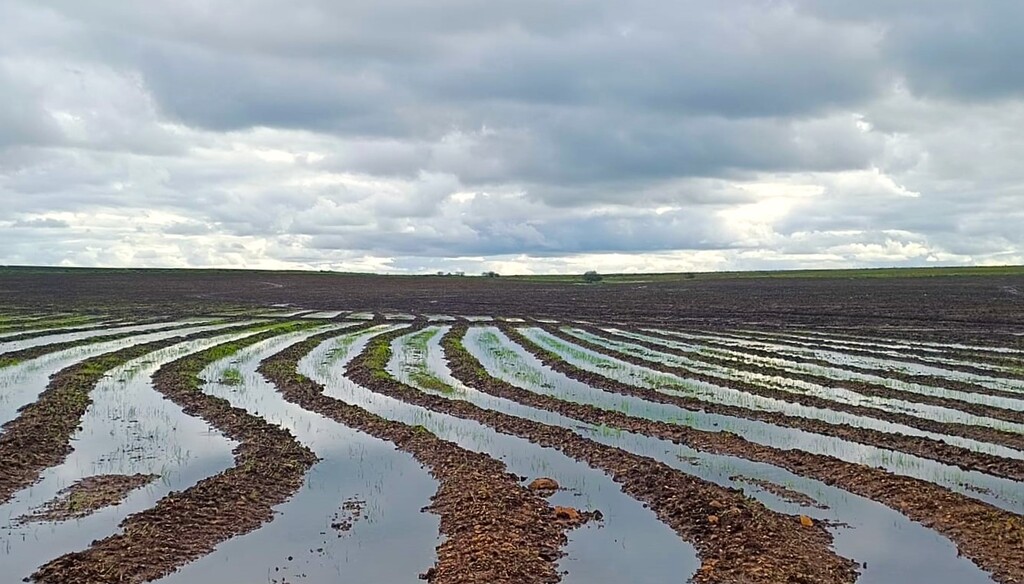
(9,362)
(231,376)
(416,347)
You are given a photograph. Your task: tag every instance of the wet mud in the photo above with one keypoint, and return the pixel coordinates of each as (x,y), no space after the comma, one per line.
(87,496)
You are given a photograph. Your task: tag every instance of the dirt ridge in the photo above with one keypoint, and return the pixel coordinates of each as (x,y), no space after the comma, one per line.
(270,465)
(497,530)
(681,501)
(991,537)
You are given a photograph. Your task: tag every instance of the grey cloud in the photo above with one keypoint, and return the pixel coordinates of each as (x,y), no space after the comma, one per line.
(963,50)
(409,133)
(44,223)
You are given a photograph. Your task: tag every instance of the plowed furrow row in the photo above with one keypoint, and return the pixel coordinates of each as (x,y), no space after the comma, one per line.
(39,437)
(915,446)
(778,547)
(979,438)
(269,467)
(497,530)
(917,499)
(1006,407)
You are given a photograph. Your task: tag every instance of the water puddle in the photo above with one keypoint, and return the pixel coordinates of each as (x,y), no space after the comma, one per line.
(630,536)
(325,314)
(356,518)
(129,428)
(524,369)
(670,384)
(800,387)
(21,384)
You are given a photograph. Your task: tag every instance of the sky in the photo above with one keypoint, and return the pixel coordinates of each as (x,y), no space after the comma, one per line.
(523,136)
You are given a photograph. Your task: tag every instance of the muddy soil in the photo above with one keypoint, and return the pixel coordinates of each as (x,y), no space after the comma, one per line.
(979,433)
(968,308)
(717,521)
(88,495)
(496,529)
(40,437)
(270,465)
(784,493)
(991,537)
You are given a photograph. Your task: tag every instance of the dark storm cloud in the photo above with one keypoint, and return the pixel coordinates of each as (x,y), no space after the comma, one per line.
(324,133)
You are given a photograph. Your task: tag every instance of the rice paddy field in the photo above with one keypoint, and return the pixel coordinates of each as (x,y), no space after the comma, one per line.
(212,427)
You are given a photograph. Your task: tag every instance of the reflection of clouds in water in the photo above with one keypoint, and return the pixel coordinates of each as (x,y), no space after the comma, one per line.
(128,428)
(353,464)
(62,338)
(799,386)
(872,522)
(647,541)
(1007,492)
(21,384)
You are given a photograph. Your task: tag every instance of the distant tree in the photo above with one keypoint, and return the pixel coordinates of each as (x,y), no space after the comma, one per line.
(592,277)
(491,274)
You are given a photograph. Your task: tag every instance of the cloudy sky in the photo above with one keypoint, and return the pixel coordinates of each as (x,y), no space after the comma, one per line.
(523,136)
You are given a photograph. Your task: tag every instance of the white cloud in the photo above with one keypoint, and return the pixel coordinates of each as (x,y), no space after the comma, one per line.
(523,137)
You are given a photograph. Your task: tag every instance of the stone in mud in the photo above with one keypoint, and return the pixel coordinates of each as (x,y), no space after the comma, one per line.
(568,514)
(544,484)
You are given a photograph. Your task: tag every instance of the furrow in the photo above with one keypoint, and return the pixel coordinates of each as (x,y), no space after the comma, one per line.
(269,466)
(39,437)
(709,388)
(1000,407)
(496,530)
(898,453)
(781,549)
(913,497)
(941,419)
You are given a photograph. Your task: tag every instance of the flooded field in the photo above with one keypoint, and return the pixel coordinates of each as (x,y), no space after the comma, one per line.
(283,444)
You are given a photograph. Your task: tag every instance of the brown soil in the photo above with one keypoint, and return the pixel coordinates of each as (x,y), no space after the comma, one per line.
(39,351)
(980,433)
(968,308)
(777,548)
(351,512)
(991,537)
(87,496)
(40,437)
(918,446)
(497,530)
(862,387)
(784,493)
(910,355)
(920,379)
(270,465)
